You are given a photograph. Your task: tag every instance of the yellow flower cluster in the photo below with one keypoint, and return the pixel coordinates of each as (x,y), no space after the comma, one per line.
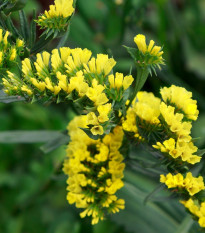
(155,120)
(196,209)
(174,122)
(182,150)
(151,54)
(71,74)
(8,50)
(181,99)
(103,112)
(191,184)
(144,112)
(129,124)
(95,171)
(118,84)
(147,107)
(58,15)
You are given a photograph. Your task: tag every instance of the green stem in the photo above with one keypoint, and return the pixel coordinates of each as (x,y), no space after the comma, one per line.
(142,75)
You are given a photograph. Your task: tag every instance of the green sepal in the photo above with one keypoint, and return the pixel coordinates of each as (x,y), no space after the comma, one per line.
(90,135)
(34,99)
(134,53)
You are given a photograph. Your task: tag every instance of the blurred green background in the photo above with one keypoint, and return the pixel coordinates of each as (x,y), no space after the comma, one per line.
(32,185)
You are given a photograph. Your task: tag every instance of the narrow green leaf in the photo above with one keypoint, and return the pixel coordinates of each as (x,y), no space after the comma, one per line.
(185,225)
(200,152)
(55,143)
(151,195)
(40,44)
(4,98)
(33,29)
(3,5)
(11,27)
(28,136)
(24,25)
(64,39)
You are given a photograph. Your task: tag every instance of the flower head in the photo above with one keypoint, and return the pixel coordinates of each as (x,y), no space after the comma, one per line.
(95,171)
(182,100)
(58,16)
(190,184)
(147,55)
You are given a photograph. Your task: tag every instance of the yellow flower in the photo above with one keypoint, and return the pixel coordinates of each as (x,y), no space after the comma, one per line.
(38,84)
(119,81)
(77,59)
(181,99)
(92,119)
(19,43)
(182,150)
(1,57)
(191,184)
(58,15)
(100,65)
(152,55)
(140,41)
(95,93)
(97,130)
(174,121)
(13,54)
(196,209)
(104,111)
(147,107)
(26,67)
(26,89)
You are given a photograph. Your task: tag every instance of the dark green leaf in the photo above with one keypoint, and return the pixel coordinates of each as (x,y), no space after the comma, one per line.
(33,29)
(150,196)
(24,25)
(55,143)
(4,98)
(185,225)
(28,136)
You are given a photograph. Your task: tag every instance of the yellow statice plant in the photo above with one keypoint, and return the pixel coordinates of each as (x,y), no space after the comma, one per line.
(114,115)
(95,171)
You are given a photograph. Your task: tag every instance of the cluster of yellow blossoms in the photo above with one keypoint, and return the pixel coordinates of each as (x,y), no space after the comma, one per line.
(95,167)
(71,74)
(188,187)
(149,54)
(58,15)
(196,209)
(95,171)
(155,120)
(9,51)
(191,184)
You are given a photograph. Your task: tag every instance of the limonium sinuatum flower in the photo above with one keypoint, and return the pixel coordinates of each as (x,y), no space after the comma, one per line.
(95,171)
(149,54)
(190,184)
(58,16)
